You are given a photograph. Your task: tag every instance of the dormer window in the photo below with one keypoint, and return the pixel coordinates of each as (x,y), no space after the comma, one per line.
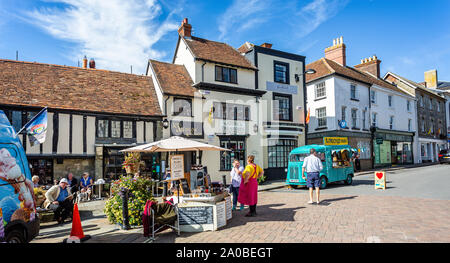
(224,74)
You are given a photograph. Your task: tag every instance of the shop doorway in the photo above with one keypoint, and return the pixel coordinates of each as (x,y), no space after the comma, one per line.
(44,169)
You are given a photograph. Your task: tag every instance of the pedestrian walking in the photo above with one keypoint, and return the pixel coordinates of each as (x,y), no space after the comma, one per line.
(248,190)
(236,178)
(313,165)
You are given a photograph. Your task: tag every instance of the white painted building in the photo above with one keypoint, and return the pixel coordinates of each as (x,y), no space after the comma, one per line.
(353,102)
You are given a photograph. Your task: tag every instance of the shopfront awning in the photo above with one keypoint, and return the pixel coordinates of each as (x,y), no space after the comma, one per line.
(174,143)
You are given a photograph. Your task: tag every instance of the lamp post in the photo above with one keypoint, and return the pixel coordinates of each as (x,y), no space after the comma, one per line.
(165,124)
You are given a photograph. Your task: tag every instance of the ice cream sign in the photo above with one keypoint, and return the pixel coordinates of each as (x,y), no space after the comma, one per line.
(380,180)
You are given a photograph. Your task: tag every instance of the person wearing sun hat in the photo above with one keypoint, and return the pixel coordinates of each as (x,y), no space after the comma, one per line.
(59,200)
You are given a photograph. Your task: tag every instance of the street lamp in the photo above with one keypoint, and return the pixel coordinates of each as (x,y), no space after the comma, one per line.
(165,124)
(308,71)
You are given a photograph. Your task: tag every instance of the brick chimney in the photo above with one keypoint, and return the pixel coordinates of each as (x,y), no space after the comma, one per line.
(85,62)
(337,52)
(371,65)
(92,63)
(431,78)
(185,29)
(266,45)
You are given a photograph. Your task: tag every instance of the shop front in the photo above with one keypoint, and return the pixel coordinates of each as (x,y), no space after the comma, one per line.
(392,148)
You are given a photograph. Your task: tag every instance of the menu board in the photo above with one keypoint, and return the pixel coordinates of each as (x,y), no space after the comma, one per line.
(185,186)
(176,167)
(221,215)
(196,215)
(228,206)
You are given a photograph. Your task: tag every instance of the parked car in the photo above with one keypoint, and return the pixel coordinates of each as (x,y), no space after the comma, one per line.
(19,222)
(444,156)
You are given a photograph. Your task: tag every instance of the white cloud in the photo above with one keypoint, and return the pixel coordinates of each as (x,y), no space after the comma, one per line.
(115,33)
(311,16)
(243,15)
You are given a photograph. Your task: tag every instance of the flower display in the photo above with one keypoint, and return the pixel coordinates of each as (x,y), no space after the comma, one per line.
(138,194)
(132,162)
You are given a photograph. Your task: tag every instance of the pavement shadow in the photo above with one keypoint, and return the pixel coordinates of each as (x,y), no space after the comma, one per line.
(64,232)
(329,201)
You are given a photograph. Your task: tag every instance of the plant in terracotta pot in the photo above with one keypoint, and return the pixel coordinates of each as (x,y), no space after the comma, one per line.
(132,163)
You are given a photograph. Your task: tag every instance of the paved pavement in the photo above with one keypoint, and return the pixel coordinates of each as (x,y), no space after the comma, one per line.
(414,208)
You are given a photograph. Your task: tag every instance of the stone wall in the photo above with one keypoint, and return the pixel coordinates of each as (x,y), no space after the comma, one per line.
(75,166)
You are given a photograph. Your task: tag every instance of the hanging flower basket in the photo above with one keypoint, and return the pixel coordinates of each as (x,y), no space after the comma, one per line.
(132,163)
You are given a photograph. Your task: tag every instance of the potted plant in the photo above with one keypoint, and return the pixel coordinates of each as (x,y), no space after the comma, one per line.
(132,163)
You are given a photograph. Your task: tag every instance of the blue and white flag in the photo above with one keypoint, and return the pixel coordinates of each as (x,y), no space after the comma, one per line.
(37,127)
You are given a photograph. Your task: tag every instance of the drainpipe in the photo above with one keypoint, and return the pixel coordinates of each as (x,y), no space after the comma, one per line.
(203,65)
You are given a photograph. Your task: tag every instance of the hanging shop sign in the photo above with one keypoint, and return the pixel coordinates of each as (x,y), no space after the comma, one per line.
(335,140)
(380,180)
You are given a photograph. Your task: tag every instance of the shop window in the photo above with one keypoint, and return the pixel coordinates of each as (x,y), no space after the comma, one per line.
(278,151)
(237,148)
(282,105)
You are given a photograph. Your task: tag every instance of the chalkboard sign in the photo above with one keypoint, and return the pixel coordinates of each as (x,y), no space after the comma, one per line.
(185,186)
(196,215)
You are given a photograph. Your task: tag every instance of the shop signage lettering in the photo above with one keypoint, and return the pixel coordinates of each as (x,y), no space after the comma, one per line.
(177,167)
(196,215)
(186,129)
(380,180)
(281,88)
(335,140)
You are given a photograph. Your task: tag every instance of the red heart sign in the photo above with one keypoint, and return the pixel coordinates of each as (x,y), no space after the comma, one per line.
(379,175)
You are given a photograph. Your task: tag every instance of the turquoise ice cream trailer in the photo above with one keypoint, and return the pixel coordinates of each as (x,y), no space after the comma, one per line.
(336,160)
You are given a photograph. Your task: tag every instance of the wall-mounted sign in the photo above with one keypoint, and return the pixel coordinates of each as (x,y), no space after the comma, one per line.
(187,129)
(335,140)
(177,167)
(380,180)
(342,124)
(281,88)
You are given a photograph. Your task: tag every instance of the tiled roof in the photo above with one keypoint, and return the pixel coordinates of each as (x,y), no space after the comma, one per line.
(414,84)
(73,88)
(217,52)
(325,67)
(173,79)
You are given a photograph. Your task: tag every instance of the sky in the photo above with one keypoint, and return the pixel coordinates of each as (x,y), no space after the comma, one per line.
(408,36)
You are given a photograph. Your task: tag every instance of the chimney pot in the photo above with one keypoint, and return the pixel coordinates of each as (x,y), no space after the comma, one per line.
(92,63)
(337,52)
(185,29)
(266,45)
(373,67)
(85,62)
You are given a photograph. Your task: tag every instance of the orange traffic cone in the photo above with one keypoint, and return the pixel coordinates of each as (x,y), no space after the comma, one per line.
(76,235)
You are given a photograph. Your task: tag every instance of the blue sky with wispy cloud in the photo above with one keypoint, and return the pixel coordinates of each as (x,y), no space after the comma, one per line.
(409,36)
